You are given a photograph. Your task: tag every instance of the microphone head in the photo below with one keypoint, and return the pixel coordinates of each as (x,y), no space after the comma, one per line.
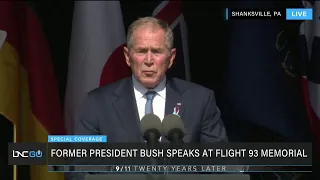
(150,123)
(172,124)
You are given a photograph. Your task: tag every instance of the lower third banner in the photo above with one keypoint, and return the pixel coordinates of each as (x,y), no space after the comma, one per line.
(275,154)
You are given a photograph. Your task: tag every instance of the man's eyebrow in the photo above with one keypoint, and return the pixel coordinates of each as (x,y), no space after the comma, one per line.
(157,48)
(152,48)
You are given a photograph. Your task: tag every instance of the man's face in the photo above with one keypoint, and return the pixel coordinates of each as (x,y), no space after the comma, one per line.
(149,57)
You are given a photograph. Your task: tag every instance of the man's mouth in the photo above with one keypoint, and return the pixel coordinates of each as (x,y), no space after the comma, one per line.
(148,72)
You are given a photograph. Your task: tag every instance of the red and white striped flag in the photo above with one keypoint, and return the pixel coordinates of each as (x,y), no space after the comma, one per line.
(96,52)
(310,41)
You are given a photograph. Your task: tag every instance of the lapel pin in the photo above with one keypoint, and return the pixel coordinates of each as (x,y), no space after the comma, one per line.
(176,109)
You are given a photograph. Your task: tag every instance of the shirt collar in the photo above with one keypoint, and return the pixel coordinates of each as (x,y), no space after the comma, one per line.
(140,90)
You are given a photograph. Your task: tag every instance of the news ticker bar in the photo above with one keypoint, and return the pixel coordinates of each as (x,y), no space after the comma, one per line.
(179,168)
(281,154)
(281,13)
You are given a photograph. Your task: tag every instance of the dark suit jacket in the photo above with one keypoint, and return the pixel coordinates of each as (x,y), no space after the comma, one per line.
(111,110)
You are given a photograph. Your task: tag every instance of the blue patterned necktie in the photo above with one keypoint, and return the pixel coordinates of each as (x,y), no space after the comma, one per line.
(148,108)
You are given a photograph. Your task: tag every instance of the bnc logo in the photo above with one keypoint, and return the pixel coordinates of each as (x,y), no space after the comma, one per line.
(26,154)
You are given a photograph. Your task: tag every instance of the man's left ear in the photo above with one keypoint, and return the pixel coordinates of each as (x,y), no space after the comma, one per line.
(173,56)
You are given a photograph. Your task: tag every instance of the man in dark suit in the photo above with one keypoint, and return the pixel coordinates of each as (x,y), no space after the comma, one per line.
(115,110)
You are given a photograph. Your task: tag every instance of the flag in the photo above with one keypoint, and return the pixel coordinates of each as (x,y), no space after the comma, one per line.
(310,64)
(28,91)
(98,37)
(262,86)
(96,52)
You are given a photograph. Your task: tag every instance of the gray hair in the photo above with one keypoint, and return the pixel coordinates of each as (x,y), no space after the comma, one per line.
(153,22)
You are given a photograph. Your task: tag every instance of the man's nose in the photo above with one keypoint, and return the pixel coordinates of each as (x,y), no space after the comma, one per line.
(149,58)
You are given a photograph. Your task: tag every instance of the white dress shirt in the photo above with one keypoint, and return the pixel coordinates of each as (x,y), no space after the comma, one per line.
(159,100)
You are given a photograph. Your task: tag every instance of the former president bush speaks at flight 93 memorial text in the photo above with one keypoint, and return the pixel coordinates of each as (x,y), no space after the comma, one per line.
(116,109)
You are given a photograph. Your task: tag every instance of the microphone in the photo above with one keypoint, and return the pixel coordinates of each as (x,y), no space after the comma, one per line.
(173,128)
(150,126)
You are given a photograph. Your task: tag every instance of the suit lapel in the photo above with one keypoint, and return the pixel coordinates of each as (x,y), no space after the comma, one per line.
(173,99)
(127,111)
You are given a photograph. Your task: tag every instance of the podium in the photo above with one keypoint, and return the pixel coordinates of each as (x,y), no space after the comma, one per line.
(169,177)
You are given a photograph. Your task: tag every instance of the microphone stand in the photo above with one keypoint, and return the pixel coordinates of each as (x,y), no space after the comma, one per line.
(152,142)
(175,141)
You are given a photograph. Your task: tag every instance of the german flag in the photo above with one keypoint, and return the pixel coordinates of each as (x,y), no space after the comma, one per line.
(29,98)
